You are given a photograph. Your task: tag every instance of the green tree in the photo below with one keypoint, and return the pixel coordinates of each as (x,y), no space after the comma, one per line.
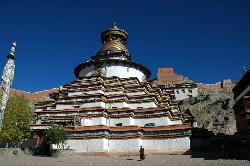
(55,135)
(17,119)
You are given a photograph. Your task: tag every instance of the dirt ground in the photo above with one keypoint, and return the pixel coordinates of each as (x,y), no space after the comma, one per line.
(157,160)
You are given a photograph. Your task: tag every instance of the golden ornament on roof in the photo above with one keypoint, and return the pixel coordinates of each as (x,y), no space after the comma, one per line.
(114,33)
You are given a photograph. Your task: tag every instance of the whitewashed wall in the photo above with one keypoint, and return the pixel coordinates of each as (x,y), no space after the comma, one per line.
(117,104)
(135,93)
(113,69)
(123,72)
(128,121)
(144,105)
(93,121)
(109,105)
(62,106)
(124,145)
(88,145)
(161,121)
(93,104)
(129,145)
(37,110)
(113,92)
(175,122)
(86,71)
(195,92)
(131,105)
(125,121)
(180,95)
(167,145)
(85,92)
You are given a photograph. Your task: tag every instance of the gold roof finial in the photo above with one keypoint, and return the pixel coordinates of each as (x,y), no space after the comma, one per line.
(114,25)
(114,33)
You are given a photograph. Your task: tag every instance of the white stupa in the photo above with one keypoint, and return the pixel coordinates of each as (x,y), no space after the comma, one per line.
(111,107)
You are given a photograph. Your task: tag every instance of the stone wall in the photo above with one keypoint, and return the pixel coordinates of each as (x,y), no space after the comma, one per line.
(225,84)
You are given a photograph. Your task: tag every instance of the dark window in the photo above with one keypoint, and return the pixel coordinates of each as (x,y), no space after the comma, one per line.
(172,97)
(149,124)
(118,124)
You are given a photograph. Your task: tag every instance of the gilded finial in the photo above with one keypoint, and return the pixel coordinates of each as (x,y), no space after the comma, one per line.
(114,25)
(114,33)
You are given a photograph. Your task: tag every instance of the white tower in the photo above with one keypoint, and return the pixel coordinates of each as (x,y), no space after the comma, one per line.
(7,78)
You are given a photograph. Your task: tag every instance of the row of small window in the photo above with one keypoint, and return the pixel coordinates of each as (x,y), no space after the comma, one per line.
(146,125)
(183,90)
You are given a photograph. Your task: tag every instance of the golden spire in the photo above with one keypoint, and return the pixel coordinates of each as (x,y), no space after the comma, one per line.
(114,39)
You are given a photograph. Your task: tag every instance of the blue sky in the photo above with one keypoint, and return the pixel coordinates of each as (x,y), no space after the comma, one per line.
(205,40)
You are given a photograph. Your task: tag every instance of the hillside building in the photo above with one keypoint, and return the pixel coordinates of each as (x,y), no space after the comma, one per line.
(181,87)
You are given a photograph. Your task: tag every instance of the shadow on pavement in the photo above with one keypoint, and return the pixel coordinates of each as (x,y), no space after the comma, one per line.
(216,154)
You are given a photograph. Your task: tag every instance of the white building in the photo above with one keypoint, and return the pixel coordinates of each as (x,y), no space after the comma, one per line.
(181,91)
(112,107)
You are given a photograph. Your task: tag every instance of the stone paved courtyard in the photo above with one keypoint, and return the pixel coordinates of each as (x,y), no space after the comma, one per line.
(162,160)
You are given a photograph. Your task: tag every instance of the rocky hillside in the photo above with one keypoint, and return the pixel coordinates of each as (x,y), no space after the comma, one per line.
(213,110)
